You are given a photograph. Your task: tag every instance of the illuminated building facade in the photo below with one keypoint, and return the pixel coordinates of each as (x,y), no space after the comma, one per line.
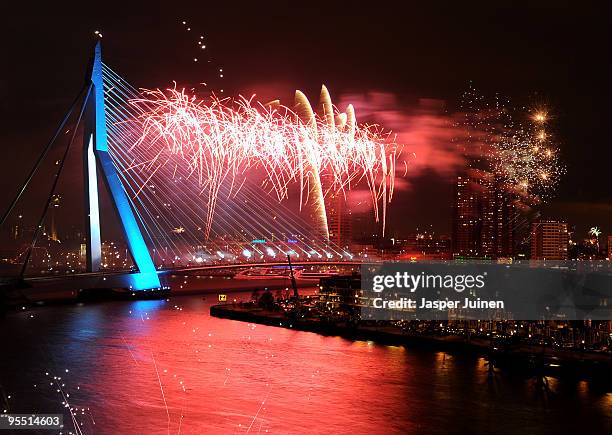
(340,296)
(503,222)
(483,219)
(467,218)
(549,240)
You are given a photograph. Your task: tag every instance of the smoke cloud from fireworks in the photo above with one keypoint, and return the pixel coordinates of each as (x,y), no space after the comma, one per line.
(427,131)
(521,153)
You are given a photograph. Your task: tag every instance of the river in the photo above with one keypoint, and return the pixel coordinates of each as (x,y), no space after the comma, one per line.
(167,366)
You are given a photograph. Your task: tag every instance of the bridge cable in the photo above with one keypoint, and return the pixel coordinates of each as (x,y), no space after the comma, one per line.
(54,186)
(40,159)
(123,121)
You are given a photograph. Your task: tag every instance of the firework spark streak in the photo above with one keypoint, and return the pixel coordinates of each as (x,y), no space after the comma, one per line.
(221,140)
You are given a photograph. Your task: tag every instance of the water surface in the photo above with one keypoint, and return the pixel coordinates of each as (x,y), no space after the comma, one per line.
(169,367)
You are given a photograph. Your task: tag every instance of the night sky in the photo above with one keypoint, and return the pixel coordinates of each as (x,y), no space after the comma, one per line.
(547,53)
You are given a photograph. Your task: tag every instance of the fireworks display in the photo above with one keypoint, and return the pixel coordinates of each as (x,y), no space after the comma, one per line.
(220,140)
(522,155)
(526,158)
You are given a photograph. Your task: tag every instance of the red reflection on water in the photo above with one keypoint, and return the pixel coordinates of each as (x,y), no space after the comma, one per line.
(173,369)
(168,367)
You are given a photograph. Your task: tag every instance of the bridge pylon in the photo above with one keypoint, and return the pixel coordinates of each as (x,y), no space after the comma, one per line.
(98,162)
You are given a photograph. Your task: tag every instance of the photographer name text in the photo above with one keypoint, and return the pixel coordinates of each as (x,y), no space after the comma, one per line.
(442,305)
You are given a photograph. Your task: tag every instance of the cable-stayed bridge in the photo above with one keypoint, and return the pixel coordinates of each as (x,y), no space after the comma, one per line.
(159,201)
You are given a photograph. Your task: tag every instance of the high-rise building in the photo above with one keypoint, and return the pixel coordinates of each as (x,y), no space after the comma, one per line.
(466,219)
(338,220)
(504,222)
(549,240)
(484,218)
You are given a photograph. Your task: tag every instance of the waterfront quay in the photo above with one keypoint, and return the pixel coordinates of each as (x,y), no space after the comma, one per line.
(525,356)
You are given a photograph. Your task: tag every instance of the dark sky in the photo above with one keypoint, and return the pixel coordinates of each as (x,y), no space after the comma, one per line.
(551,53)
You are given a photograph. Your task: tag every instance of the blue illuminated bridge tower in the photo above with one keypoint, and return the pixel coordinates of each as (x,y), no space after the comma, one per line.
(98,162)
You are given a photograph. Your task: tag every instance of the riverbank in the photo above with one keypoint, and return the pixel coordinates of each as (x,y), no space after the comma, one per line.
(528,358)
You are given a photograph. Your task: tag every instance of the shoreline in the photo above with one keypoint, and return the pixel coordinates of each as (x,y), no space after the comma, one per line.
(526,358)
